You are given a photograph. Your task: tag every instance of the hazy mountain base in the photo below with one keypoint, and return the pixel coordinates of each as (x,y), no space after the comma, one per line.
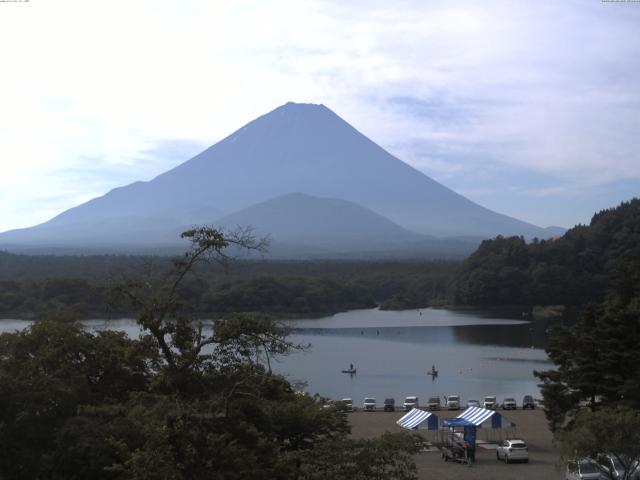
(301,248)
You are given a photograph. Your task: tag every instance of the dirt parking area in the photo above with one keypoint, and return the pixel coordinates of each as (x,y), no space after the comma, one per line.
(531,426)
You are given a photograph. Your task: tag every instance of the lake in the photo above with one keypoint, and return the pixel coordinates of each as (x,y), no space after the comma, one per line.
(476,353)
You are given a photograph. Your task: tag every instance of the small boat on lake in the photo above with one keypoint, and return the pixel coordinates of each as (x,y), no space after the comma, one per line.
(351,370)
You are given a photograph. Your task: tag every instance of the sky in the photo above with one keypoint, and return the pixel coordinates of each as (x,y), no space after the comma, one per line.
(531,109)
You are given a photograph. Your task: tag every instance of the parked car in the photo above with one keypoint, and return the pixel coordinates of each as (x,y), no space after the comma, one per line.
(328,404)
(348,404)
(513,449)
(509,403)
(611,466)
(389,404)
(369,404)
(528,402)
(433,403)
(473,403)
(489,402)
(453,402)
(584,469)
(409,403)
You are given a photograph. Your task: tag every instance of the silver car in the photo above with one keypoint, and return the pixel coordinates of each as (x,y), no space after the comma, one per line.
(348,404)
(453,402)
(513,449)
(433,403)
(612,467)
(585,469)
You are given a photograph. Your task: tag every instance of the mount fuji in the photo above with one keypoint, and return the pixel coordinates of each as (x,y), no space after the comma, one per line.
(325,185)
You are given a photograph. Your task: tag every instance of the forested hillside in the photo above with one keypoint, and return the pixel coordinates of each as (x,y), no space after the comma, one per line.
(45,286)
(571,270)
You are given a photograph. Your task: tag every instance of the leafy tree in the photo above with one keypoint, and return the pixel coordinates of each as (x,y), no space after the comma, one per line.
(597,358)
(387,457)
(48,372)
(615,431)
(570,270)
(592,398)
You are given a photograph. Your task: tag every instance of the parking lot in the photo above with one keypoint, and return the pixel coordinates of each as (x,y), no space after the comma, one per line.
(531,426)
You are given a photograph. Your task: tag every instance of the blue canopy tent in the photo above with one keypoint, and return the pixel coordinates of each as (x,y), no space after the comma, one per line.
(469,429)
(476,417)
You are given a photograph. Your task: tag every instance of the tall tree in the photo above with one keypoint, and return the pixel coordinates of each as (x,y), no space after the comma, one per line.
(597,358)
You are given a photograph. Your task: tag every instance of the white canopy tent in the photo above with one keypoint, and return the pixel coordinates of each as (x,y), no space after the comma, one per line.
(483,417)
(417,418)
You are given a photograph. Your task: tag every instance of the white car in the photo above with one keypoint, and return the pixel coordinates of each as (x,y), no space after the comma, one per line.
(509,403)
(489,402)
(473,403)
(453,402)
(409,403)
(369,404)
(513,449)
(348,404)
(585,469)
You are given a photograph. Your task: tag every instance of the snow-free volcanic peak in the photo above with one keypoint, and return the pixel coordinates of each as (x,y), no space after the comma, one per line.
(297,147)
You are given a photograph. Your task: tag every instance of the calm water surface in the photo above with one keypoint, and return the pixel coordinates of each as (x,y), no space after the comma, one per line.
(475,353)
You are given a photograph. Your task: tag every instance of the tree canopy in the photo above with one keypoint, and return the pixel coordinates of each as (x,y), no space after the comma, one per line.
(597,358)
(570,270)
(610,431)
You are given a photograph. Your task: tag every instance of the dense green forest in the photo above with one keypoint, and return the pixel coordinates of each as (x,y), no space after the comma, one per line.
(571,270)
(45,286)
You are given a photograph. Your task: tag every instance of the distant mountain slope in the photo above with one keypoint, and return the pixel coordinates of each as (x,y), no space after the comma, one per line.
(573,269)
(296,147)
(298,216)
(97,233)
(301,225)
